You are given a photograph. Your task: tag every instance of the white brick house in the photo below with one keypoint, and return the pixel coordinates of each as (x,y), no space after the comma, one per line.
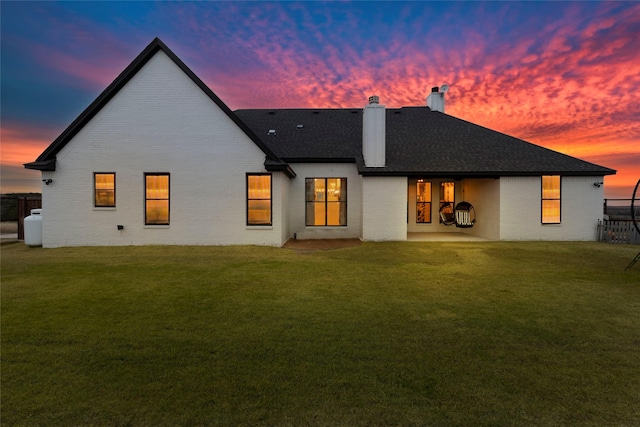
(158,158)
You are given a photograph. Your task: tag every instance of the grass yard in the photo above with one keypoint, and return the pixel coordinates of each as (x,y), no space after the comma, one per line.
(445,334)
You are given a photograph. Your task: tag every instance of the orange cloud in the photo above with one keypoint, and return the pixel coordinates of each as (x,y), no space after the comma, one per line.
(23,144)
(573,88)
(571,83)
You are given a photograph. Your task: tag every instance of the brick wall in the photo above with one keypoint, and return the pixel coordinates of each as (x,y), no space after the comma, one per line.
(297,200)
(520,209)
(384,207)
(159,122)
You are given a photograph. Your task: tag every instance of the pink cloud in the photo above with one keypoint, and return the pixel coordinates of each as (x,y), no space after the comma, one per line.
(573,87)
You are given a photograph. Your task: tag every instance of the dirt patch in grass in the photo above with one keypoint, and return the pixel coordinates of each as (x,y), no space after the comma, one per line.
(311,245)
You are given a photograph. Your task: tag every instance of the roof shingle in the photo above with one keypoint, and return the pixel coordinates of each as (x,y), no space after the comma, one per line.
(418,142)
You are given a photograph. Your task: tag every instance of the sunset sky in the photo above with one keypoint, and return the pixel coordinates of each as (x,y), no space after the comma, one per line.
(564,75)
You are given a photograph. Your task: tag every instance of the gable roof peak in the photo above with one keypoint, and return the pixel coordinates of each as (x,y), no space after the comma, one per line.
(47,160)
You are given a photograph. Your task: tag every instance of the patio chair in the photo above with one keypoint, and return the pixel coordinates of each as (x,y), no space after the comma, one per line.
(465,215)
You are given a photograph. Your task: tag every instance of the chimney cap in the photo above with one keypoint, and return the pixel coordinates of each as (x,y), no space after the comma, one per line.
(374,99)
(435,89)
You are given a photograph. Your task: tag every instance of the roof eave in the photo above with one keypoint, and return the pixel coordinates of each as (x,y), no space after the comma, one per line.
(43,165)
(279,166)
(475,174)
(318,160)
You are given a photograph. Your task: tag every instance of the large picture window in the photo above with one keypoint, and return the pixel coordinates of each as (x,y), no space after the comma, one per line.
(156,190)
(104,190)
(258,199)
(551,199)
(326,201)
(423,202)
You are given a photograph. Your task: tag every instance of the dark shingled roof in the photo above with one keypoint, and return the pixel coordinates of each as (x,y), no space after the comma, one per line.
(327,135)
(419,142)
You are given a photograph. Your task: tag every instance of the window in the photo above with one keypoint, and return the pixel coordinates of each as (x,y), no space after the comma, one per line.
(104,190)
(258,199)
(551,199)
(326,201)
(423,202)
(156,190)
(447,202)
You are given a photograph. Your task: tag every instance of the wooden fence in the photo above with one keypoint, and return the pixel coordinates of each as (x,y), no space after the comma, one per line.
(617,232)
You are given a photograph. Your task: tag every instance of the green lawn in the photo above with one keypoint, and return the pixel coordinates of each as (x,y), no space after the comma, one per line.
(445,334)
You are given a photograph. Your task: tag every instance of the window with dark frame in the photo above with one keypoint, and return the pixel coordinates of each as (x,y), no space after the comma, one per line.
(156,190)
(423,202)
(550,205)
(259,199)
(326,202)
(447,201)
(104,189)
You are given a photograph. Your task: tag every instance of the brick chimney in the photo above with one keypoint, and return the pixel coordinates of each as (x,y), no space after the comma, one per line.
(374,133)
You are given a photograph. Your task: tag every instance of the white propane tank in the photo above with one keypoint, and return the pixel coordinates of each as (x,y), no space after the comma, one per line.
(33,228)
